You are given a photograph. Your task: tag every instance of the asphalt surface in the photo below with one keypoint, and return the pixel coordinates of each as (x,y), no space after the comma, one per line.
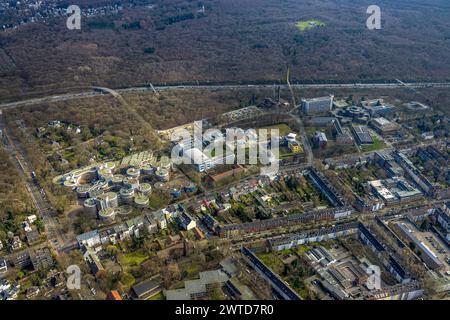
(96,91)
(56,237)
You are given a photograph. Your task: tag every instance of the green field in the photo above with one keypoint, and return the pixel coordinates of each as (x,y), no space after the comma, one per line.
(377,145)
(309,24)
(283,127)
(158,296)
(271,260)
(132,259)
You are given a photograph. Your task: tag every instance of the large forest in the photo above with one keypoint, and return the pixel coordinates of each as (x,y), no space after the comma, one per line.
(170,41)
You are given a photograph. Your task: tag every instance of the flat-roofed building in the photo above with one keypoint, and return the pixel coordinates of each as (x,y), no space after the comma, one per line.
(381,191)
(280,286)
(377,107)
(402,291)
(41,258)
(393,190)
(444,219)
(200,160)
(89,239)
(427,254)
(317,105)
(21,259)
(239,291)
(147,288)
(107,200)
(414,173)
(320,139)
(199,288)
(362,135)
(383,126)
(3,266)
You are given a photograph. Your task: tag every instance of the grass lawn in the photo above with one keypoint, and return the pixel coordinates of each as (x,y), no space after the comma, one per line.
(191,269)
(286,152)
(132,259)
(283,127)
(158,200)
(272,261)
(377,145)
(309,24)
(159,296)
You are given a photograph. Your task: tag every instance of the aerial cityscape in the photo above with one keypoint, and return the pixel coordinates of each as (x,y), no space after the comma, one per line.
(224,150)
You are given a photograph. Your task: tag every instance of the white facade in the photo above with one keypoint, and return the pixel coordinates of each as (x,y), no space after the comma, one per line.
(317,105)
(89,239)
(201,161)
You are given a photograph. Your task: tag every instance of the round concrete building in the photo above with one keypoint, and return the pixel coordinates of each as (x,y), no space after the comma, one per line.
(145,188)
(133,172)
(90,206)
(126,195)
(107,215)
(141,201)
(162,174)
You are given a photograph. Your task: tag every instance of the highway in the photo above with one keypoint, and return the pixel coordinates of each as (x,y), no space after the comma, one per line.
(97,91)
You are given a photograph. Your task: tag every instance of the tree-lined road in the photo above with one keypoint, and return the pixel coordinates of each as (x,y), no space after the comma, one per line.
(56,237)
